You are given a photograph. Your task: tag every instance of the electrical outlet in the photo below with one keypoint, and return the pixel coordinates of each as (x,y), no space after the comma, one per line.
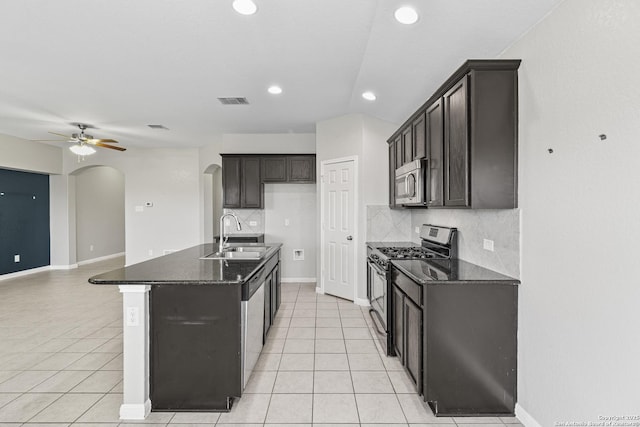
(298,254)
(139,208)
(417,230)
(16,258)
(150,252)
(253,223)
(488,245)
(286,222)
(91,248)
(133,316)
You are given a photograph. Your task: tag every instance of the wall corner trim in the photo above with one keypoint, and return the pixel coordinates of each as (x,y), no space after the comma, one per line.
(525,418)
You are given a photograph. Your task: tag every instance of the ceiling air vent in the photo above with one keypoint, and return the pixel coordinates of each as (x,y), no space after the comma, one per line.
(233,101)
(158,127)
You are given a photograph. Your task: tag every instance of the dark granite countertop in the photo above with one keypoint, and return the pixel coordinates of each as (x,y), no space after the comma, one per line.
(438,272)
(185,267)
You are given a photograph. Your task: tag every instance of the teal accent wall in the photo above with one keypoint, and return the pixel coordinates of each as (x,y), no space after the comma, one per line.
(24,220)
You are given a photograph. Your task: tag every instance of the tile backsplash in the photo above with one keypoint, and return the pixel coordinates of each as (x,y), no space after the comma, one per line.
(474,225)
(246,217)
(387,225)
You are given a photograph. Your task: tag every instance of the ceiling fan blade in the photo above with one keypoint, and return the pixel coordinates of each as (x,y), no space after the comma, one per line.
(96,140)
(59,134)
(99,144)
(47,140)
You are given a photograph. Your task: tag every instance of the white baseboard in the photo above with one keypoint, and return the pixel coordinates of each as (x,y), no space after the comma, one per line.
(63,267)
(298,279)
(525,418)
(102,258)
(137,411)
(361,301)
(24,273)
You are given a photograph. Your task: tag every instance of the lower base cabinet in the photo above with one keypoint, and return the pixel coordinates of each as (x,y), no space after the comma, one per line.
(271,294)
(407,327)
(190,369)
(470,341)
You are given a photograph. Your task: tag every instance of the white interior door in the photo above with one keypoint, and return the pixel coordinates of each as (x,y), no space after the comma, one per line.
(338,251)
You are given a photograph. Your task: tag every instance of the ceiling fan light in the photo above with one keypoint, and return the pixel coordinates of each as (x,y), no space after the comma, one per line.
(369,96)
(245,7)
(82,150)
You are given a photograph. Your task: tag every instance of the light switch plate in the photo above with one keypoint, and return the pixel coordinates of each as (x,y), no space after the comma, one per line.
(488,245)
(417,230)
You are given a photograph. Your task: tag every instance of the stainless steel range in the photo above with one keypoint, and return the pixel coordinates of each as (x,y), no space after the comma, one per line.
(436,243)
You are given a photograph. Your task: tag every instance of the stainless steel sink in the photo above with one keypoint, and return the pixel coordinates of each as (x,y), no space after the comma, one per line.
(239,252)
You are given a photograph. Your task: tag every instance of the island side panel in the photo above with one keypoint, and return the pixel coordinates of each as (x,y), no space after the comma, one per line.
(195,347)
(135,329)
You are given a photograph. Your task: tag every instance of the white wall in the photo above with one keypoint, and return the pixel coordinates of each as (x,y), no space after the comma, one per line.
(364,137)
(168,178)
(579,323)
(280,143)
(99,212)
(25,155)
(297,204)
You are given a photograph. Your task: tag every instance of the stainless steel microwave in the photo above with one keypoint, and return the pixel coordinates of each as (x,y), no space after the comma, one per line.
(410,182)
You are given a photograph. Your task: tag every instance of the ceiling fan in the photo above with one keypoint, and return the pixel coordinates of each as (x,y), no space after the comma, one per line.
(83,142)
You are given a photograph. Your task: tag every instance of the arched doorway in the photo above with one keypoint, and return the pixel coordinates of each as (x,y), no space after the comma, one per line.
(99,213)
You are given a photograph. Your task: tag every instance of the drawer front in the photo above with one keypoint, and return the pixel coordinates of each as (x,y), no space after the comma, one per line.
(412,289)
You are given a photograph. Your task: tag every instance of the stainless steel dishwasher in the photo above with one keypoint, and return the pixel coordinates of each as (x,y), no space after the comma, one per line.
(252,318)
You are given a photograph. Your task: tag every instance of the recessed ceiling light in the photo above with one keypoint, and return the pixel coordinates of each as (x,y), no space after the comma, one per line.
(406,15)
(369,96)
(274,90)
(245,7)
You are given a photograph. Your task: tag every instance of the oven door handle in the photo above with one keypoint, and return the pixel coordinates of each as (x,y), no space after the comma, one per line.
(375,320)
(378,270)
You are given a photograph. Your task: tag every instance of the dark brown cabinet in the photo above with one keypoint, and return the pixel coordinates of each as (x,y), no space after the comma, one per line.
(301,168)
(398,322)
(407,326)
(434,120)
(231,171)
(241,183)
(274,169)
(251,185)
(243,176)
(289,168)
(419,138)
(456,145)
(468,133)
(271,293)
(392,176)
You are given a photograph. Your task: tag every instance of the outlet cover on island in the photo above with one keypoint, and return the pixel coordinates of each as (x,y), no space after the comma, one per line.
(298,254)
(488,245)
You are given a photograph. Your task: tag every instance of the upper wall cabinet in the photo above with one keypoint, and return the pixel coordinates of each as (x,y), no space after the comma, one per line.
(467,133)
(243,175)
(241,184)
(289,168)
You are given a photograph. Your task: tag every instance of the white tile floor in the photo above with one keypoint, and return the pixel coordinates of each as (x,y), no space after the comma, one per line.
(61,363)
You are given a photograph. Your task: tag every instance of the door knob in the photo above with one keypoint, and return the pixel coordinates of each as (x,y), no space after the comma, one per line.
(349,237)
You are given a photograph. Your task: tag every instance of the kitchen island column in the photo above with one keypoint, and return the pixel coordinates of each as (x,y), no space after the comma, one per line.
(136,404)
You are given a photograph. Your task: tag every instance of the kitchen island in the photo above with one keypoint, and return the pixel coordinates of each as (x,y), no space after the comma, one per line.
(193,327)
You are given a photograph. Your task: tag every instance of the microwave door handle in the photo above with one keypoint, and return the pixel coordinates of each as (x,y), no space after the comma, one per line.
(406,185)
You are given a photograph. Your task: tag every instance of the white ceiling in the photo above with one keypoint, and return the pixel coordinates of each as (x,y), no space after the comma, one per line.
(123,64)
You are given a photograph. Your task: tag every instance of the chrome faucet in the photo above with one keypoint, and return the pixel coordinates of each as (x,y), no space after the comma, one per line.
(223,240)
